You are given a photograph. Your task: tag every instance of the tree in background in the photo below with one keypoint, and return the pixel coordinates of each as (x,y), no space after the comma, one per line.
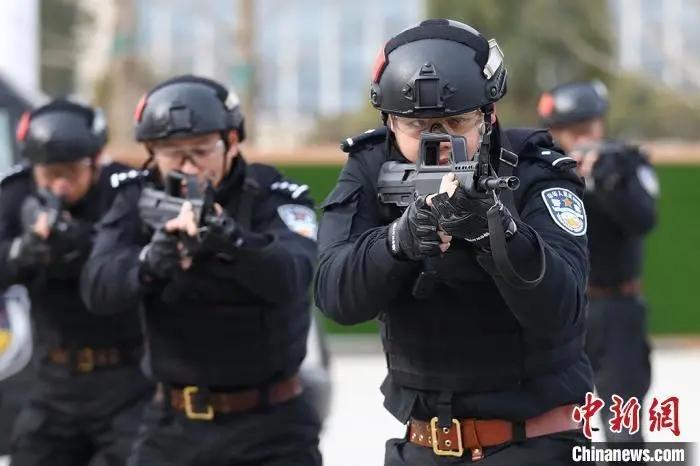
(547,42)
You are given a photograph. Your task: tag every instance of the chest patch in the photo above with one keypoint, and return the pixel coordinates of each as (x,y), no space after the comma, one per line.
(566,209)
(300,219)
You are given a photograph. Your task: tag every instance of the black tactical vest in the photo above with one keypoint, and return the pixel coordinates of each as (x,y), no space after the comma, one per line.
(464,338)
(213,333)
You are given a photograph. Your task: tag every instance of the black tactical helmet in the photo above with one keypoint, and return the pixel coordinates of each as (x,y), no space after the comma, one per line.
(61,131)
(437,68)
(572,103)
(186,106)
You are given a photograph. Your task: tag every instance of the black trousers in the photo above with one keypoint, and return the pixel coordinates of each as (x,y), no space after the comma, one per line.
(551,450)
(618,349)
(73,419)
(13,395)
(284,434)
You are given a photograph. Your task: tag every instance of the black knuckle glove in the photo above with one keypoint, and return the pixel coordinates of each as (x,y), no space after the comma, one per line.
(466,217)
(29,252)
(161,257)
(414,235)
(223,238)
(71,245)
(607,173)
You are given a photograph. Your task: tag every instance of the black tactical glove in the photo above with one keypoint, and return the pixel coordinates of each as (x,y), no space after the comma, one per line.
(161,257)
(28,253)
(414,235)
(70,247)
(465,216)
(223,238)
(615,165)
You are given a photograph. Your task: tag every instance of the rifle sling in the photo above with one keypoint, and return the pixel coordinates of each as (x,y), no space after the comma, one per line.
(497,237)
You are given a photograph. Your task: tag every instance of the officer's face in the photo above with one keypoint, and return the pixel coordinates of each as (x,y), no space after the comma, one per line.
(68,180)
(408,130)
(202,156)
(579,136)
(580,141)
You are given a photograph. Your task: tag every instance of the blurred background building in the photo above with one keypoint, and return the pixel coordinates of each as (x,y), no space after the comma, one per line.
(659,39)
(302,66)
(293,61)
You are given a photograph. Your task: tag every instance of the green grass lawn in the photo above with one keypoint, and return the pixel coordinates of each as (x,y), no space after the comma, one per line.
(672,269)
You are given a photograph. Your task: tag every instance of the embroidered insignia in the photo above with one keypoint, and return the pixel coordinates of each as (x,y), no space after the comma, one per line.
(648,180)
(300,219)
(566,209)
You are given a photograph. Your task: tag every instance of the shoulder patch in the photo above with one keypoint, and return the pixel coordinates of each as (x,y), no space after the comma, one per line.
(13,172)
(293,190)
(117,180)
(566,209)
(354,143)
(300,219)
(648,179)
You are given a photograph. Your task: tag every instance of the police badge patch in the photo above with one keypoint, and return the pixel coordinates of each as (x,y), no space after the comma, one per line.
(300,219)
(566,209)
(648,180)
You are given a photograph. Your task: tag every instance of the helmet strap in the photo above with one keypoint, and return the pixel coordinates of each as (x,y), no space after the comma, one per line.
(484,154)
(227,146)
(389,134)
(149,160)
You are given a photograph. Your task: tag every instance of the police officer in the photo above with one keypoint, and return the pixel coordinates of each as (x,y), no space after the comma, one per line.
(481,367)
(227,317)
(88,393)
(620,197)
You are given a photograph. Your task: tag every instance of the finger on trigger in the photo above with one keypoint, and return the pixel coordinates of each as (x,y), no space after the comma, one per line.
(444,237)
(172,225)
(41,226)
(449,184)
(187,220)
(191,227)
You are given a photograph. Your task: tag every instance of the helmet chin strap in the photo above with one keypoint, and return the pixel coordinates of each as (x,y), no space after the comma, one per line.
(484,154)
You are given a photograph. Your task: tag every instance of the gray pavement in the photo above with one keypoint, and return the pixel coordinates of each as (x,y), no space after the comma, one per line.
(358,426)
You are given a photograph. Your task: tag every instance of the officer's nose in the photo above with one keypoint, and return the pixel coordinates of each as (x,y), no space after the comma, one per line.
(60,187)
(189,168)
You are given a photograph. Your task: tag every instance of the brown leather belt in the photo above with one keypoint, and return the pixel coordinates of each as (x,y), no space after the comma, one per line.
(200,404)
(87,359)
(474,435)
(628,288)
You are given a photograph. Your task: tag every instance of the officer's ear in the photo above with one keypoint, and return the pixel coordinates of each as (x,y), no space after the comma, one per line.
(232,141)
(96,163)
(233,138)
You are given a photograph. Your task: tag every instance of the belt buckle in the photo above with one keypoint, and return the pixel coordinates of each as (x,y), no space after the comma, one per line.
(436,444)
(206,415)
(85,360)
